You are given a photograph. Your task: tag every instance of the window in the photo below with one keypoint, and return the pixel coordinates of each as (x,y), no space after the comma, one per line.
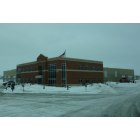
(24,69)
(18,70)
(86,67)
(116,74)
(93,68)
(40,70)
(63,71)
(63,78)
(80,67)
(21,69)
(99,68)
(33,68)
(52,74)
(29,68)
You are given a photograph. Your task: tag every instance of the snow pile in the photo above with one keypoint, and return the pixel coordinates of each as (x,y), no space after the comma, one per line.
(137,81)
(109,87)
(124,85)
(90,89)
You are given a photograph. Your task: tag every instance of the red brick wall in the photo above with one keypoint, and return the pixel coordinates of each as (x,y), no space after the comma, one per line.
(74,73)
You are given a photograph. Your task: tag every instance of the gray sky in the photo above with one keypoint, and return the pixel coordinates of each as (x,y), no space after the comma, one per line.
(117,45)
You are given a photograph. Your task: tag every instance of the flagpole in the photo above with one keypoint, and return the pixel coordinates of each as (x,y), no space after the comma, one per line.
(66,71)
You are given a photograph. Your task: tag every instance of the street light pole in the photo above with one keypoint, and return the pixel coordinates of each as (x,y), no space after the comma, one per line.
(43,76)
(66,80)
(66,73)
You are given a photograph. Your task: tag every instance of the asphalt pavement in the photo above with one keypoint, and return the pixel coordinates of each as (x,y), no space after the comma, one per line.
(126,103)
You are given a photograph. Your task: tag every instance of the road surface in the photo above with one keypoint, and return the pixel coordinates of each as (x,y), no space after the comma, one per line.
(124,103)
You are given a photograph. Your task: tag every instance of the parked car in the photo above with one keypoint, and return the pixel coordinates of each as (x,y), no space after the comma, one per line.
(124,80)
(9,83)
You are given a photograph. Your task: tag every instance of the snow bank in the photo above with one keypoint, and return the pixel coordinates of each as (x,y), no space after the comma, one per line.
(90,89)
(109,87)
(123,85)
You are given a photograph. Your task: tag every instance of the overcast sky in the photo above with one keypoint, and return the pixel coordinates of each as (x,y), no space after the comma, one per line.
(117,45)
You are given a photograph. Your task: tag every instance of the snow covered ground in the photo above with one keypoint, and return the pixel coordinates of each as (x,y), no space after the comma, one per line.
(111,99)
(90,89)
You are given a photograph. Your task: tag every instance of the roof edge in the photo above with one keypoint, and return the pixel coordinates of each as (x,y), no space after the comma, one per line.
(74,59)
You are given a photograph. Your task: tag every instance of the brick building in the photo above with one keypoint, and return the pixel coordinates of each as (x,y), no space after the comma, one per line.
(60,71)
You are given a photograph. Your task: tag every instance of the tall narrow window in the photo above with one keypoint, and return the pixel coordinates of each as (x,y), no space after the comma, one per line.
(52,74)
(116,74)
(63,67)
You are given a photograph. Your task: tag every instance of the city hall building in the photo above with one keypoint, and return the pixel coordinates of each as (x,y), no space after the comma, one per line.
(60,71)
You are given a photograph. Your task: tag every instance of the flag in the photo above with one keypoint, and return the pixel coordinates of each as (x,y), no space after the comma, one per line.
(63,55)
